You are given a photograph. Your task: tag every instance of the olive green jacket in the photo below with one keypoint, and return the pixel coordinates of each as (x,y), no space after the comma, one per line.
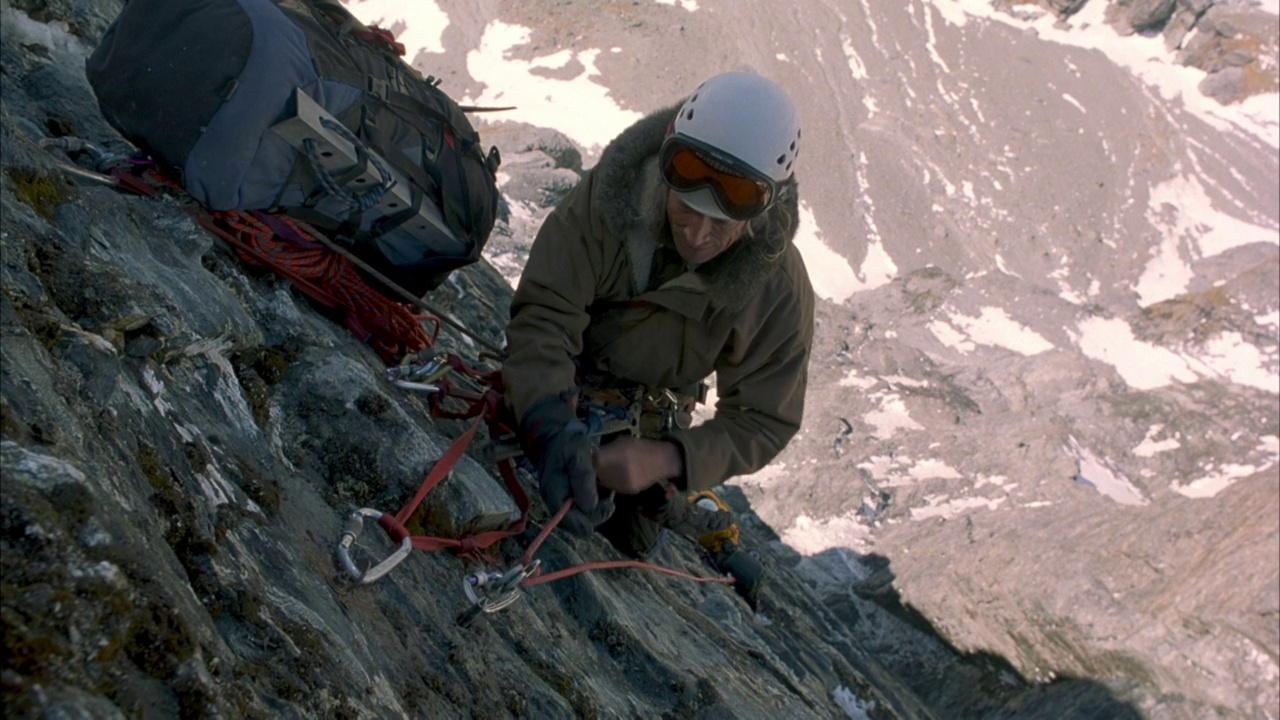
(604,290)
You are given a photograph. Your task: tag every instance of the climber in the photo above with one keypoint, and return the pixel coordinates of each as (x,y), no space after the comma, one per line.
(671,260)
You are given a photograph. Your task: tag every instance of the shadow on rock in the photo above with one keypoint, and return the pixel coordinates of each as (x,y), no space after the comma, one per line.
(951,682)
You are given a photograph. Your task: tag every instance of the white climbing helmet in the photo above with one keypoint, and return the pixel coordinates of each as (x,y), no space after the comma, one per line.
(735,126)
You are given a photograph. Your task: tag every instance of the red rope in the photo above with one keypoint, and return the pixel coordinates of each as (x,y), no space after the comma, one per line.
(538,578)
(391,328)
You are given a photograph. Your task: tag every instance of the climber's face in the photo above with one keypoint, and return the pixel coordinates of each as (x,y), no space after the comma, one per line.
(699,238)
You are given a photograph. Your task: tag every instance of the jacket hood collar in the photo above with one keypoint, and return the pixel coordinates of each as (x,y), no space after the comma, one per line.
(632,199)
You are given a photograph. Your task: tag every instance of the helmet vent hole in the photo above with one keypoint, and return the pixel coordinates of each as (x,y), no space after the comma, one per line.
(689,115)
(782,159)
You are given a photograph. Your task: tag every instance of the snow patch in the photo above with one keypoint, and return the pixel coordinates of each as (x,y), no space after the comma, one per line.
(1149,446)
(951,337)
(596,118)
(1192,227)
(856,67)
(1101,475)
(1146,57)
(945,508)
(1221,478)
(993,327)
(891,417)
(810,536)
(829,272)
(927,469)
(764,477)
(1230,357)
(1141,365)
(852,379)
(690,5)
(418,25)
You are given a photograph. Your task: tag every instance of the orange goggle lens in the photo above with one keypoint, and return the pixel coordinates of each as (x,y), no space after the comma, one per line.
(739,197)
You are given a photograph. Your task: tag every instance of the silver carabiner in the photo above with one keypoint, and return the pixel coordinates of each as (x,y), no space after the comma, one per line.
(493,591)
(355,524)
(418,387)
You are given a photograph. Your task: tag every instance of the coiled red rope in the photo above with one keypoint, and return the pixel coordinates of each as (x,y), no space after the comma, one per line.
(283,246)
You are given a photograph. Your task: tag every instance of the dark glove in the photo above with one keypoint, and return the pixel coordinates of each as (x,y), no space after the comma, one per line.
(559,446)
(747,572)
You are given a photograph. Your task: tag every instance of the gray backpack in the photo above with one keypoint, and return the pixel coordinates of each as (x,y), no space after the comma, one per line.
(294,106)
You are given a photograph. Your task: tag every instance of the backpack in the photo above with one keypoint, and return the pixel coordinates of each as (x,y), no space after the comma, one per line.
(294,106)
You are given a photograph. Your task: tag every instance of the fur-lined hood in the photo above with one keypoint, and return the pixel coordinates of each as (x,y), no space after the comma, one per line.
(632,199)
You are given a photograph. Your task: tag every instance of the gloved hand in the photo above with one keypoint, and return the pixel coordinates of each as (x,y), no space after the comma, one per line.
(559,446)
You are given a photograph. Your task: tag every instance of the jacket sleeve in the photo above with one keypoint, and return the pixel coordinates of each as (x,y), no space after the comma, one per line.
(549,310)
(761,387)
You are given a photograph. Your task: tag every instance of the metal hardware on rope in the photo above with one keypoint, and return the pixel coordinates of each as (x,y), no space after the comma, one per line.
(355,524)
(489,592)
(103,161)
(421,376)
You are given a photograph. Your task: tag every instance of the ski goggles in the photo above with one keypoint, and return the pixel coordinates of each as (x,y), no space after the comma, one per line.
(740,192)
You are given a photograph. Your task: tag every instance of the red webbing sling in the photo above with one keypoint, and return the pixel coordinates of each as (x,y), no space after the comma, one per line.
(486,407)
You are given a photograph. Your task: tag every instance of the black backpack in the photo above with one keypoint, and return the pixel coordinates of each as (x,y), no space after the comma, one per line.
(295,106)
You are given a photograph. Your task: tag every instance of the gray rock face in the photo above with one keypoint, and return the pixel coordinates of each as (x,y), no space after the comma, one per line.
(1140,15)
(1212,35)
(1236,46)
(182,439)
(1066,7)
